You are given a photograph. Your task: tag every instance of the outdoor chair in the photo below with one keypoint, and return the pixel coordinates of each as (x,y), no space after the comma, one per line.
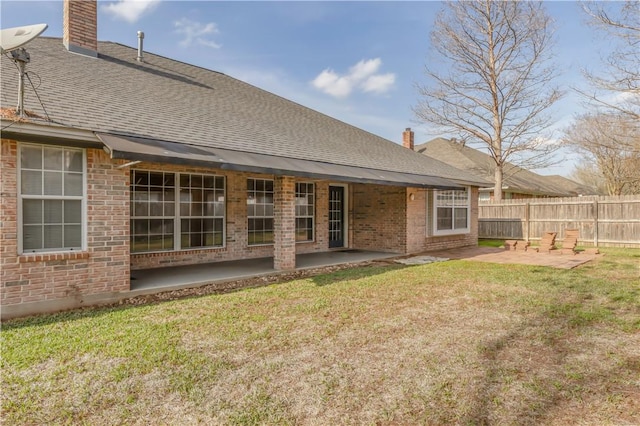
(522,245)
(570,241)
(510,245)
(547,243)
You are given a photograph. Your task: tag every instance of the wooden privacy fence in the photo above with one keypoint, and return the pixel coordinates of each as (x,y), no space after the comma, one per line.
(602,221)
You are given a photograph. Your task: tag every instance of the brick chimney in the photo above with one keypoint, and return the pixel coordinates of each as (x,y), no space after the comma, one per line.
(80,27)
(407,138)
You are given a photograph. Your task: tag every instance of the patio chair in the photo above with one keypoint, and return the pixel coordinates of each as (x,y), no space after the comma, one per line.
(547,242)
(510,245)
(570,241)
(522,245)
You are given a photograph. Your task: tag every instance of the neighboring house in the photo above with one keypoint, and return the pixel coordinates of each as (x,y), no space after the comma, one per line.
(124,164)
(517,182)
(573,188)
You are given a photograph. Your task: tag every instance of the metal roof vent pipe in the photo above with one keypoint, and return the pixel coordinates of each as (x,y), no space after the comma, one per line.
(140,44)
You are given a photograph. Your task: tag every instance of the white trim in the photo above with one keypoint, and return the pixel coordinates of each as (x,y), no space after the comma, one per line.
(345,218)
(313,216)
(177,235)
(272,217)
(20,197)
(48,130)
(434,212)
(85,203)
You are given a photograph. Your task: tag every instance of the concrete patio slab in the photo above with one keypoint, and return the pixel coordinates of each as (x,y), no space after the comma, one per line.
(149,281)
(499,255)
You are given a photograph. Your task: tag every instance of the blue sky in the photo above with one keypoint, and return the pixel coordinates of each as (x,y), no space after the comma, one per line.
(356,61)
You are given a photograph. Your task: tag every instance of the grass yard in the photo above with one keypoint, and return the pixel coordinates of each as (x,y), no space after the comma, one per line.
(445,343)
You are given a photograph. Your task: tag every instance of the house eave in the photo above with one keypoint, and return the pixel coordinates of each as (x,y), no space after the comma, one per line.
(133,148)
(26,131)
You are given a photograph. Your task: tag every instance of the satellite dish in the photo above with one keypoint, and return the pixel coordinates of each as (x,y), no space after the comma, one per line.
(13,38)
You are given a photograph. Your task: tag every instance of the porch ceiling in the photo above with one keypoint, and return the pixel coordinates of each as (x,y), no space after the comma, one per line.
(141,149)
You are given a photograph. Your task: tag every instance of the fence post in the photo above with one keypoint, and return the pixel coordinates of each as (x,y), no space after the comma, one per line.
(526,220)
(595,223)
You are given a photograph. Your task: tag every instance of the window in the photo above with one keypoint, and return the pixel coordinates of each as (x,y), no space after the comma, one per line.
(451,212)
(156,217)
(201,210)
(305,195)
(152,211)
(51,198)
(260,211)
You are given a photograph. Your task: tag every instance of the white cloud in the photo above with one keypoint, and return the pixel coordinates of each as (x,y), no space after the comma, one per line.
(196,32)
(361,76)
(365,115)
(364,69)
(130,10)
(379,83)
(329,82)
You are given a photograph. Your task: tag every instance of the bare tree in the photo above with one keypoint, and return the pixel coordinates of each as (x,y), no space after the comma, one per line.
(620,21)
(491,83)
(587,173)
(611,143)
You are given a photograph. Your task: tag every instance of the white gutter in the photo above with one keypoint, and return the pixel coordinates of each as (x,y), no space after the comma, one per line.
(12,128)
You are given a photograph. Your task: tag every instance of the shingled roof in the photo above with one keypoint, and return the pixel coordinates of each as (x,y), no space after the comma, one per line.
(164,101)
(516,179)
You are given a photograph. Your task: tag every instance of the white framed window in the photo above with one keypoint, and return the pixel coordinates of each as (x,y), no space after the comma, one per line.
(451,212)
(202,211)
(51,198)
(259,211)
(166,204)
(305,211)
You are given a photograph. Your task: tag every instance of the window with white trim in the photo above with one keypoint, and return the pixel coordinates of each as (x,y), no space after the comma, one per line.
(201,210)
(260,211)
(156,217)
(451,212)
(51,198)
(305,210)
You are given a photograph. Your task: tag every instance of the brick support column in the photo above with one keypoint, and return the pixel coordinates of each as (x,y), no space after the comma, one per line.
(284,251)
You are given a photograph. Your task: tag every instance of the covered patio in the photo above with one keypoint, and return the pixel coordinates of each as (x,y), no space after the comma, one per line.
(149,281)
(155,280)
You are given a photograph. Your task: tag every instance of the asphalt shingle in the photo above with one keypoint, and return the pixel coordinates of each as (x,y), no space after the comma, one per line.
(169,100)
(515,178)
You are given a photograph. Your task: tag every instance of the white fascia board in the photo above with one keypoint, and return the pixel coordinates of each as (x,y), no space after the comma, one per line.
(30,129)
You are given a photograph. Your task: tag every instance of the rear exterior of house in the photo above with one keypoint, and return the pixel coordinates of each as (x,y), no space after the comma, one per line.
(97,191)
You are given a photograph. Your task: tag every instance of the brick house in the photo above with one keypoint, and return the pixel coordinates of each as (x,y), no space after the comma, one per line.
(125,163)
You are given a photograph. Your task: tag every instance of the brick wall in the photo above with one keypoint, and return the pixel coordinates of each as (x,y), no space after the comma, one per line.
(102,268)
(416,220)
(379,218)
(399,220)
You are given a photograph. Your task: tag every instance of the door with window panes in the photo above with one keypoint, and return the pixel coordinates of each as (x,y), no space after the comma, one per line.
(336,216)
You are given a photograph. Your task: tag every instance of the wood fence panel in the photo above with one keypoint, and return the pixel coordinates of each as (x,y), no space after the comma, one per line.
(604,221)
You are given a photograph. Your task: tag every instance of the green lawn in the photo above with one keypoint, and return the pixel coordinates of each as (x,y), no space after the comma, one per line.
(454,342)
